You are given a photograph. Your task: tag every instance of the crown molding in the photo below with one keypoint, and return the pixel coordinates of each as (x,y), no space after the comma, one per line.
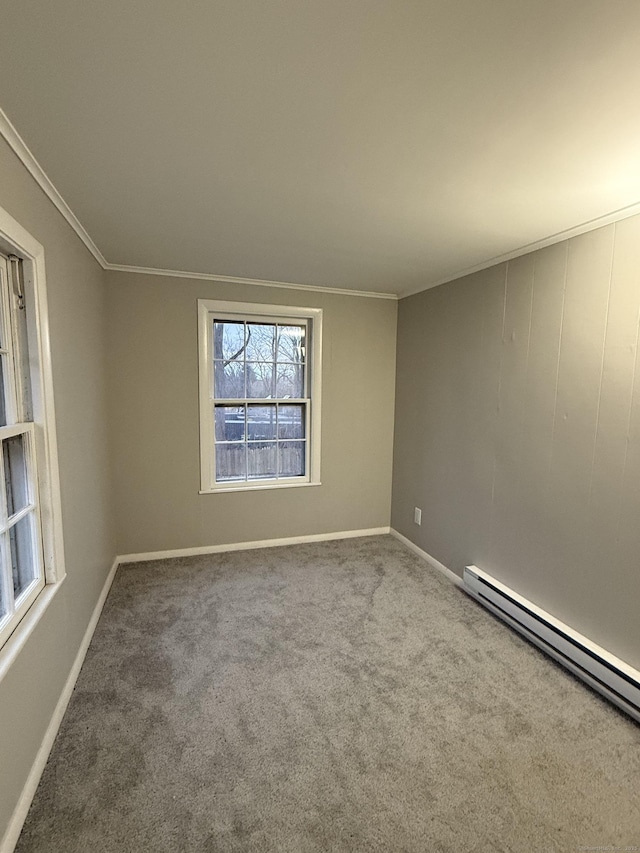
(259,282)
(28,160)
(558,237)
(24,154)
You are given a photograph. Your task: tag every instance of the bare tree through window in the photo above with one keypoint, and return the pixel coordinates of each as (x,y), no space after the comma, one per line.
(257,367)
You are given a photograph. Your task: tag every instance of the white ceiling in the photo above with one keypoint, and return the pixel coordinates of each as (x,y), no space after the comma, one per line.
(377,145)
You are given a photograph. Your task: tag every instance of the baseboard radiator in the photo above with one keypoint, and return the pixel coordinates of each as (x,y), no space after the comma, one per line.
(610,676)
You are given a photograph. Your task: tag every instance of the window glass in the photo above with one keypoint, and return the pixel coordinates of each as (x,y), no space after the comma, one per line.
(229,340)
(261,423)
(261,339)
(229,379)
(262,460)
(290,421)
(231,462)
(15,473)
(290,344)
(260,376)
(291,461)
(258,413)
(4,603)
(3,405)
(23,562)
(230,423)
(290,381)
(258,361)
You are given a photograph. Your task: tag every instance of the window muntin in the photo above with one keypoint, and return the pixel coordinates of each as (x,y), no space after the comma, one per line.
(259,395)
(261,364)
(21,556)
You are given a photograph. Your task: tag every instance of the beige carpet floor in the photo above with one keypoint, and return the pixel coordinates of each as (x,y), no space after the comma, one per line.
(339,696)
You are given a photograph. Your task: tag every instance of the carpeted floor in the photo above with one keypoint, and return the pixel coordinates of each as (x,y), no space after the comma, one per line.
(338,696)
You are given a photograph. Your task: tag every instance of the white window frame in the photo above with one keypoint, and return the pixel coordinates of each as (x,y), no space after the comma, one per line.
(41,441)
(210,309)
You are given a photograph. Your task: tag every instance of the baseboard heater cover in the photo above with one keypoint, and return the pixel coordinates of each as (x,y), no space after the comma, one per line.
(610,676)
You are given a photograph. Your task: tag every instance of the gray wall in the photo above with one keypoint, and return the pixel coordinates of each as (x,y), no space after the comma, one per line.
(153,363)
(30,690)
(518,429)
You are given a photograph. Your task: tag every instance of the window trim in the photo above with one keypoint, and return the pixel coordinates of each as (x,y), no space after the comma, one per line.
(257,311)
(32,508)
(15,240)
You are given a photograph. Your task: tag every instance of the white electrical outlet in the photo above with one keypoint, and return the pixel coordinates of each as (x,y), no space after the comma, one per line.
(417,515)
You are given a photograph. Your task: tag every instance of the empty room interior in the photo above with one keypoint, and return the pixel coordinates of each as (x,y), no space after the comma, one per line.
(320,426)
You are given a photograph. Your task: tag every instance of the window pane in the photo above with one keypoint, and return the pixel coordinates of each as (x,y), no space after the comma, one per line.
(228,340)
(228,379)
(23,559)
(4,605)
(229,423)
(291,461)
(259,379)
(3,391)
(261,423)
(15,473)
(231,462)
(291,343)
(24,372)
(261,341)
(291,421)
(290,381)
(261,460)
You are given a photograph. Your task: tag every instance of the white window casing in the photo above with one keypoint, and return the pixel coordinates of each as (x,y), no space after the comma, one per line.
(28,447)
(243,407)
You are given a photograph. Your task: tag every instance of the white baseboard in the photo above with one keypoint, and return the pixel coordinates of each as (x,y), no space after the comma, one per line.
(452,576)
(18,818)
(248,546)
(21,810)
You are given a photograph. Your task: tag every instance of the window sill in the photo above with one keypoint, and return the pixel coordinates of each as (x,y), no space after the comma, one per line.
(18,639)
(257,488)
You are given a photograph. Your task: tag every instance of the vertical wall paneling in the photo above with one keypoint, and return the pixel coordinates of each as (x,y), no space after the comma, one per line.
(618,368)
(578,392)
(512,394)
(621,573)
(520,435)
(477,477)
(539,406)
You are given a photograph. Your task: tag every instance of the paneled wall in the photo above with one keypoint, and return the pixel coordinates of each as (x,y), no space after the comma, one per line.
(518,428)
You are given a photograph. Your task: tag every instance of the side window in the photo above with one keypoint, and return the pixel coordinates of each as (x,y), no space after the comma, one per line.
(259,395)
(21,553)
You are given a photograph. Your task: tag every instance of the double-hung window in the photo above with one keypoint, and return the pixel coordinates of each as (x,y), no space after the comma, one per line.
(31,536)
(259,395)
(21,555)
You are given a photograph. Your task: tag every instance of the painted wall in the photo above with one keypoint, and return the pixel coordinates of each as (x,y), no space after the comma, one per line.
(518,429)
(153,363)
(30,690)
